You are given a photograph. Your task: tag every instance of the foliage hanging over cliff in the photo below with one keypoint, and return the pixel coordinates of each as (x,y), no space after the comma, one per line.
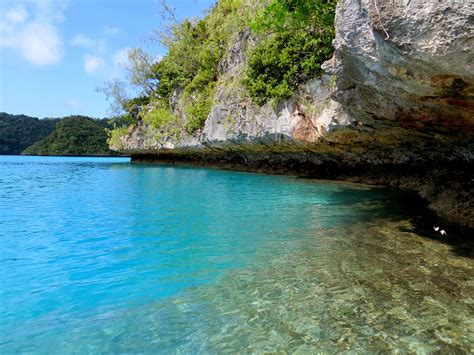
(297,40)
(195,50)
(292,38)
(74,135)
(283,16)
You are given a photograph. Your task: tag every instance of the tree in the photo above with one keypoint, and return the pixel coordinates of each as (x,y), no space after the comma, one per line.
(73,135)
(116,94)
(296,39)
(140,72)
(18,132)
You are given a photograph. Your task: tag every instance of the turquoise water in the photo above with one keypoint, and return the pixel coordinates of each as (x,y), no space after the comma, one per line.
(101,256)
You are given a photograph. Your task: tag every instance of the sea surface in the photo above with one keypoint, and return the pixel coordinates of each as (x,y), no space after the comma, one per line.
(98,255)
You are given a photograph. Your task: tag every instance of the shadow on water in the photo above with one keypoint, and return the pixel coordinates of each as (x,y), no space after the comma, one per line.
(397,205)
(458,238)
(404,205)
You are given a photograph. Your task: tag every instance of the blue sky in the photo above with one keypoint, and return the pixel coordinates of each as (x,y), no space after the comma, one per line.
(55,53)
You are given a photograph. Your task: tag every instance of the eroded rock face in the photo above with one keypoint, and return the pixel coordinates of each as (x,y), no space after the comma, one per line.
(410,61)
(236,120)
(306,118)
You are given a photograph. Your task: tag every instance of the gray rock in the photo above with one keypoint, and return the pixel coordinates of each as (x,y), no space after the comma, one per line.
(410,61)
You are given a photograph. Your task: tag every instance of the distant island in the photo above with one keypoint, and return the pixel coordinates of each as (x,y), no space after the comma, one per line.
(71,135)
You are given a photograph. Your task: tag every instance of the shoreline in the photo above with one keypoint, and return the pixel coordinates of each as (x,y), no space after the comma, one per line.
(446,187)
(69,155)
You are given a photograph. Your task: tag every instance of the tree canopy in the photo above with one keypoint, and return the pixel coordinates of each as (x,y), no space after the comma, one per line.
(296,40)
(74,135)
(17,132)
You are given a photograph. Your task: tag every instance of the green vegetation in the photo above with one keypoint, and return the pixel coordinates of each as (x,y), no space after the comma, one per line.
(17,132)
(115,136)
(121,121)
(195,50)
(198,107)
(297,40)
(190,68)
(159,118)
(74,135)
(164,122)
(140,101)
(293,40)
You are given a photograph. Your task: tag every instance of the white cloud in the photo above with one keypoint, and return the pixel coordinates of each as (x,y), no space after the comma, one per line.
(82,41)
(110,31)
(40,44)
(16,15)
(30,29)
(93,63)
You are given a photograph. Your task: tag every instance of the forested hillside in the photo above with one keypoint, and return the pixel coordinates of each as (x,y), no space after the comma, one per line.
(17,132)
(74,135)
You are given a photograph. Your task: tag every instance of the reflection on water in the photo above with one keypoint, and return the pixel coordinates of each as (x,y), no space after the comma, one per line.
(201,261)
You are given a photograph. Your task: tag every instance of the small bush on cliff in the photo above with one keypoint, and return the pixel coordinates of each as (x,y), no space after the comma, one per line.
(297,39)
(115,137)
(159,118)
(199,108)
(121,121)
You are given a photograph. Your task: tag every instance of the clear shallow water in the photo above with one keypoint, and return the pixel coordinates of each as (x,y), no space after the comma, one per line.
(98,255)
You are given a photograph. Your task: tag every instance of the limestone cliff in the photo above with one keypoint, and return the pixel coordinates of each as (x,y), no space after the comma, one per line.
(396,107)
(410,61)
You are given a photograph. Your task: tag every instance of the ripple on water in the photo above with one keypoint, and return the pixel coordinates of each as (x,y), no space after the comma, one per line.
(366,289)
